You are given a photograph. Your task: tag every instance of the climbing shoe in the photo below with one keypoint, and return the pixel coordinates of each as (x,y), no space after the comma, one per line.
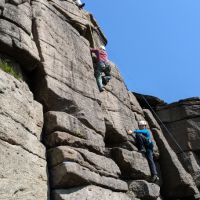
(102,89)
(155,179)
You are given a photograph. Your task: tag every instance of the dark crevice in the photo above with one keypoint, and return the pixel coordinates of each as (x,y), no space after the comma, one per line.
(35,78)
(25,59)
(112,137)
(28,78)
(36,37)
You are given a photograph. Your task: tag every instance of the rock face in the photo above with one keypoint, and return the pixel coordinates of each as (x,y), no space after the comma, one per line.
(144,100)
(183,121)
(64,129)
(89,154)
(16,32)
(132,163)
(23,163)
(89,193)
(145,190)
(175,178)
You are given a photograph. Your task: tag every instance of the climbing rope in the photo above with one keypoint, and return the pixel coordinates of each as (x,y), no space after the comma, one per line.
(166,129)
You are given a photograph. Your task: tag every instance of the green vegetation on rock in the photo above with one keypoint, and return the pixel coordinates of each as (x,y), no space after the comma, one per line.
(8,68)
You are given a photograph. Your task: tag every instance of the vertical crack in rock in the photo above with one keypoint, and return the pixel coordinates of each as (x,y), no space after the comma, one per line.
(23,162)
(35,35)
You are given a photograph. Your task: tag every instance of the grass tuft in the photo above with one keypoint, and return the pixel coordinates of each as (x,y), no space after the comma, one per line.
(8,68)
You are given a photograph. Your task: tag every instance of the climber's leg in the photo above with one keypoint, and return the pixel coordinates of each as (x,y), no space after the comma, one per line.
(98,74)
(152,166)
(105,79)
(107,76)
(140,140)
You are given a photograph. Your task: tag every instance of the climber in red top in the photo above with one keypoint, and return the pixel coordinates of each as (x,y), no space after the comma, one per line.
(102,66)
(101,54)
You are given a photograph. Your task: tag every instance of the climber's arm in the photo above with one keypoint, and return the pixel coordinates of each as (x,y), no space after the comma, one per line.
(129,132)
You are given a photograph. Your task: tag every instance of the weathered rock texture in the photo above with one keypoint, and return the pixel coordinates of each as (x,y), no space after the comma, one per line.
(144,190)
(89,193)
(23,163)
(182,119)
(175,178)
(89,153)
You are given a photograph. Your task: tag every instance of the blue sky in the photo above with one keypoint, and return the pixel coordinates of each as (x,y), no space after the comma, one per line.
(155,44)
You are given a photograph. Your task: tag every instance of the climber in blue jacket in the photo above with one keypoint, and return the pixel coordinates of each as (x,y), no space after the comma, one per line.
(145,145)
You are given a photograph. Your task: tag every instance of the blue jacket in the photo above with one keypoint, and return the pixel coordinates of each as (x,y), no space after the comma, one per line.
(144,132)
